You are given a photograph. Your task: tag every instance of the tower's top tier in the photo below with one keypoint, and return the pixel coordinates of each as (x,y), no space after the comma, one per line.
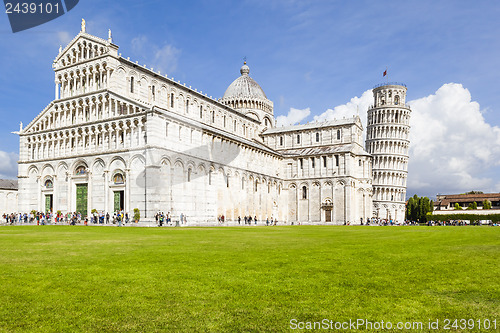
(389,94)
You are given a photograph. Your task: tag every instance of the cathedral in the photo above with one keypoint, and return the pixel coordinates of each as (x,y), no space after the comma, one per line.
(120,136)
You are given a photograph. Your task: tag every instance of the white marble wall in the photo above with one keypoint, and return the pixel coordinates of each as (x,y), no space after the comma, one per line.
(8,201)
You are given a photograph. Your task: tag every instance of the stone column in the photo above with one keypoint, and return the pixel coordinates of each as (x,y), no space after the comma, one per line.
(101,135)
(116,104)
(40,194)
(139,129)
(131,136)
(55,194)
(321,215)
(94,136)
(87,80)
(106,191)
(86,141)
(126,140)
(68,193)
(104,107)
(89,193)
(297,202)
(80,81)
(92,110)
(84,111)
(57,90)
(53,152)
(347,202)
(127,192)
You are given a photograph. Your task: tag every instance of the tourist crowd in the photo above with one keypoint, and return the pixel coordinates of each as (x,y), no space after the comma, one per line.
(119,217)
(40,218)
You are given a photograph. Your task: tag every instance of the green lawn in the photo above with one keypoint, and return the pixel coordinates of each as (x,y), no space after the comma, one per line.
(243,279)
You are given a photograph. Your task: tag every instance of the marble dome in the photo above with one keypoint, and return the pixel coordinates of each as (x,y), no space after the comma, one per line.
(244,86)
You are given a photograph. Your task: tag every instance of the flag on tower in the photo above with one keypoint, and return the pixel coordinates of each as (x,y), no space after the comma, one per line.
(385,72)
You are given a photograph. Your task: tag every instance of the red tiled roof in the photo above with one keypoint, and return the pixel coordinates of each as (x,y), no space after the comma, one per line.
(467,198)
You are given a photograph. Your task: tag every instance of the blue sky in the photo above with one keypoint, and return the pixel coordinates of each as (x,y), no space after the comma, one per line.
(315,59)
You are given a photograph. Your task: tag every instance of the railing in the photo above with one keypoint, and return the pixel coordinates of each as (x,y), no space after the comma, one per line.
(386,105)
(390,84)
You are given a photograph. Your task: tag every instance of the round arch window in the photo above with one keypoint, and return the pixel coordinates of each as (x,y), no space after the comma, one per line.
(81,170)
(118,179)
(49,184)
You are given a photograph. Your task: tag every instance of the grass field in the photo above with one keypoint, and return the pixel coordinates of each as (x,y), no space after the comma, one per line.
(248,279)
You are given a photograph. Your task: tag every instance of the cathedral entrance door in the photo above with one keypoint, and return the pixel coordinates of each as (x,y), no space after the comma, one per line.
(118,201)
(81,199)
(328,215)
(48,203)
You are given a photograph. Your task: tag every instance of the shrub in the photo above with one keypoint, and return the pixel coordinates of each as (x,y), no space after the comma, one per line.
(137,214)
(464,216)
(486,204)
(472,206)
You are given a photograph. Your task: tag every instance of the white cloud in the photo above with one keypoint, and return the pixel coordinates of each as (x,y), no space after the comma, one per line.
(282,101)
(139,43)
(64,38)
(164,58)
(452,147)
(8,165)
(357,105)
(294,116)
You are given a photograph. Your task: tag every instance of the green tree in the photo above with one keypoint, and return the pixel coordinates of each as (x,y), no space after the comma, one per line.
(486,204)
(472,206)
(409,209)
(418,207)
(457,206)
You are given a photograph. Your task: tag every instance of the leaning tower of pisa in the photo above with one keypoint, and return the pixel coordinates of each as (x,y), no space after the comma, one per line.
(387,139)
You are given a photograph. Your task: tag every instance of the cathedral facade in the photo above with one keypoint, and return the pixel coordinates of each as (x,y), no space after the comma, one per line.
(120,136)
